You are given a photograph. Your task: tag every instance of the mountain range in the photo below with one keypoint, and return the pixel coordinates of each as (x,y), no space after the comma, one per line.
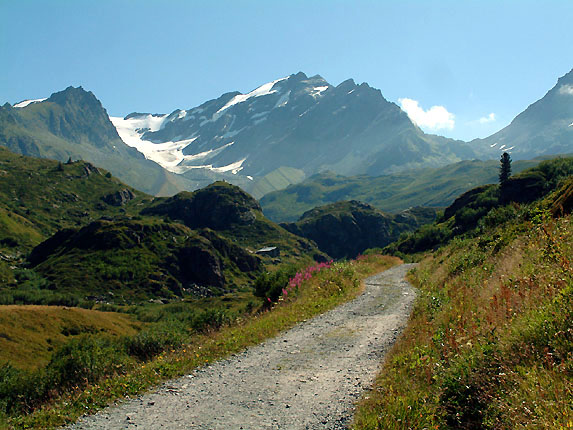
(73,124)
(276,135)
(296,122)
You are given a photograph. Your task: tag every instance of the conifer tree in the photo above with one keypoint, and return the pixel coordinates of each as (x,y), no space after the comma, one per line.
(504,169)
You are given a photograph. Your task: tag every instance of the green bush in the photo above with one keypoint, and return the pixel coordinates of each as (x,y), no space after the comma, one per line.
(426,237)
(270,285)
(153,341)
(38,297)
(498,216)
(467,384)
(211,319)
(20,390)
(84,359)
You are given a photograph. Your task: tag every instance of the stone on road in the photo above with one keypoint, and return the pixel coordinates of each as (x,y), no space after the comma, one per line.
(306,378)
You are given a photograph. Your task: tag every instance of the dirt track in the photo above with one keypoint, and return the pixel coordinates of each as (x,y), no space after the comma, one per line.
(307,378)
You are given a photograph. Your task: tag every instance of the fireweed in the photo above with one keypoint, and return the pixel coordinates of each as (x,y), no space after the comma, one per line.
(296,281)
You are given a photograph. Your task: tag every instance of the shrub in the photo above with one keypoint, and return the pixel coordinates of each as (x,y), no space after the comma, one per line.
(20,390)
(270,285)
(153,341)
(85,359)
(426,237)
(211,319)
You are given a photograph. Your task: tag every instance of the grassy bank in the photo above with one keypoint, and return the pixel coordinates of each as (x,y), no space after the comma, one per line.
(29,333)
(132,374)
(490,341)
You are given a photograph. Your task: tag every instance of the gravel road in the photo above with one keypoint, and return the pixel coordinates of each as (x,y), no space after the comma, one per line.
(306,378)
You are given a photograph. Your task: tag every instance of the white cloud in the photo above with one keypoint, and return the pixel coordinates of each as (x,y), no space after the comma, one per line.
(486,119)
(566,89)
(435,118)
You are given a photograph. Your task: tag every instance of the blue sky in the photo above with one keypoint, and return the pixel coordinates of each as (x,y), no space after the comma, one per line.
(478,63)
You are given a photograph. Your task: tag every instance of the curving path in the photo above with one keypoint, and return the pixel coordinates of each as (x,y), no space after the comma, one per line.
(307,378)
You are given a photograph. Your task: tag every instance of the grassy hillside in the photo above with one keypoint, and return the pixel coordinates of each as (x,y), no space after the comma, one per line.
(235,215)
(70,233)
(135,260)
(486,206)
(29,334)
(489,344)
(276,180)
(432,187)
(39,197)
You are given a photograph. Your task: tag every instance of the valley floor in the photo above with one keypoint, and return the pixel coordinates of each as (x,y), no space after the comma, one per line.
(307,378)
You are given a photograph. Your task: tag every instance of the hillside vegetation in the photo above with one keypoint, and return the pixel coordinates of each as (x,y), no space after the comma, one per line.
(346,229)
(29,334)
(39,197)
(490,343)
(432,187)
(235,215)
(475,208)
(72,234)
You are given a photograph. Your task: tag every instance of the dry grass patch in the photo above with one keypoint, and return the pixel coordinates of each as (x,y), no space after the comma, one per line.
(28,334)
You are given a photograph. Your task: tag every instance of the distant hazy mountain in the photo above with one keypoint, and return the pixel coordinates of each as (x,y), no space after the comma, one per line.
(432,187)
(73,123)
(288,129)
(545,127)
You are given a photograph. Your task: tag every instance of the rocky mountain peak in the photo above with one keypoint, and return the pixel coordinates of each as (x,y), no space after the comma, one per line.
(567,78)
(74,96)
(348,84)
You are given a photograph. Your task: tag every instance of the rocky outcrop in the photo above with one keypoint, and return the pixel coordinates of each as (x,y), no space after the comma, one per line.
(90,169)
(200,265)
(217,206)
(345,229)
(119,198)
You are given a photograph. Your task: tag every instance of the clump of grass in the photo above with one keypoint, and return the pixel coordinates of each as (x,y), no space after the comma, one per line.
(139,371)
(489,343)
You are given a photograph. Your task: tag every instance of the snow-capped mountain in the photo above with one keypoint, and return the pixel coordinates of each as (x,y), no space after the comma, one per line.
(73,123)
(297,122)
(189,139)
